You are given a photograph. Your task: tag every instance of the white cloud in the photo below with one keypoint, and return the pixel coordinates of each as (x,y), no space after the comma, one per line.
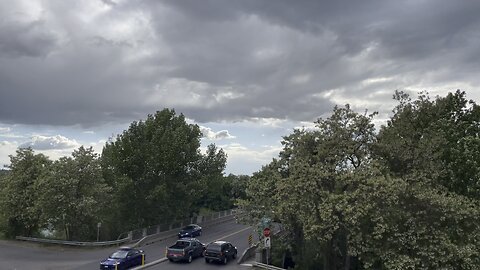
(212,135)
(4,129)
(6,148)
(244,160)
(57,142)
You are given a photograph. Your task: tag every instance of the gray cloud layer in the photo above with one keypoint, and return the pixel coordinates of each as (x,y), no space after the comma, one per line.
(66,62)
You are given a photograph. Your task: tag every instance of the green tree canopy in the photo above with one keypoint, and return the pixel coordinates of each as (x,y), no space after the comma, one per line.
(436,139)
(153,167)
(18,195)
(351,199)
(73,195)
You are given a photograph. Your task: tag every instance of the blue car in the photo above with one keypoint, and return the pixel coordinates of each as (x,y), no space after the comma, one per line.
(190,231)
(124,258)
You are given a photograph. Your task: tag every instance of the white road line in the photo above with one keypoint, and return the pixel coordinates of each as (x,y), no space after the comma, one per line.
(226,236)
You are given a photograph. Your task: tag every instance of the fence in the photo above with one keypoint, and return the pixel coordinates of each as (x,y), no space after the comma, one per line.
(140,234)
(155,233)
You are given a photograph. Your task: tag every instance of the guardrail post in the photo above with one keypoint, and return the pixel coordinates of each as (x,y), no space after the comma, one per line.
(158,229)
(144,232)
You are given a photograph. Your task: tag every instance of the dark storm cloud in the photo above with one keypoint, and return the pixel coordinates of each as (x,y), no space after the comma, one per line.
(25,39)
(73,63)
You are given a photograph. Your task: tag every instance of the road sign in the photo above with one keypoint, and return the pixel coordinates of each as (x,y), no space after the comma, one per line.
(250,240)
(266,232)
(266,242)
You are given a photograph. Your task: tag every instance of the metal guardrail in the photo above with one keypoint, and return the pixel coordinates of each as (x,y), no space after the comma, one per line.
(136,235)
(73,243)
(228,215)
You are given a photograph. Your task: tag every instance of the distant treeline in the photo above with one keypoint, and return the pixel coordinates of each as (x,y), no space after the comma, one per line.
(405,197)
(152,173)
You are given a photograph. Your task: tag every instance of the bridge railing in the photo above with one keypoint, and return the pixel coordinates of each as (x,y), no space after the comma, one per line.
(143,234)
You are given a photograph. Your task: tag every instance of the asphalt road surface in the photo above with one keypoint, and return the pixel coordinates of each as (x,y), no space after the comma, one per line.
(22,256)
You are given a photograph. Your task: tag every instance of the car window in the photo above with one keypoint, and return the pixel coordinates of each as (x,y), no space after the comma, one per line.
(183,244)
(214,247)
(120,254)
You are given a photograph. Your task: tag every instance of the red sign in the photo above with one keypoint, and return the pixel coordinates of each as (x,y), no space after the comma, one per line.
(266,232)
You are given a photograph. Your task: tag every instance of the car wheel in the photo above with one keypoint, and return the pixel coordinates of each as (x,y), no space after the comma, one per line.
(170,260)
(190,258)
(225,260)
(234,255)
(207,260)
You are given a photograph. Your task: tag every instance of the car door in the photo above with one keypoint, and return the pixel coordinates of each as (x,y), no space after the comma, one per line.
(128,259)
(225,250)
(195,249)
(132,258)
(232,250)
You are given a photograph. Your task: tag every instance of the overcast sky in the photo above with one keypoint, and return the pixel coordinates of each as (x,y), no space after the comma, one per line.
(79,72)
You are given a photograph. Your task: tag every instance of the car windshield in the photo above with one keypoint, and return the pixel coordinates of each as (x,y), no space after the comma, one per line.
(214,247)
(189,227)
(120,254)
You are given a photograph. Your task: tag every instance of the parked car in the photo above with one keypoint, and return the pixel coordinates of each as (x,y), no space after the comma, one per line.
(220,251)
(123,258)
(190,231)
(185,249)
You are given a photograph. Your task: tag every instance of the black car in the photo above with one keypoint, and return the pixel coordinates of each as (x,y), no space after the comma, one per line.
(220,251)
(185,249)
(190,231)
(123,258)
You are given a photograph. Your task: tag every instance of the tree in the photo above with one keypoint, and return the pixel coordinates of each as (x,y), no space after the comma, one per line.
(153,167)
(438,139)
(351,201)
(214,190)
(238,185)
(18,195)
(73,195)
(310,187)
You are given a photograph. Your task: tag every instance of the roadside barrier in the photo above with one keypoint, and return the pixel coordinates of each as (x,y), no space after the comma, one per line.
(73,243)
(216,218)
(145,235)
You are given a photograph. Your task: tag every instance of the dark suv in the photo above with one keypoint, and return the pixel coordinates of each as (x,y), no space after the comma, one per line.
(220,251)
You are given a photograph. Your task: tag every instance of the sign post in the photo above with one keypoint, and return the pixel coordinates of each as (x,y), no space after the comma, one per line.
(266,232)
(266,242)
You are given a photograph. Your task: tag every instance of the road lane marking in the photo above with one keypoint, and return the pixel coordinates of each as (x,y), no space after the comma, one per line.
(226,236)
(164,259)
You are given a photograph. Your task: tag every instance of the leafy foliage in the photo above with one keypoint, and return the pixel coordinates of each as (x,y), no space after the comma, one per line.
(152,173)
(438,139)
(18,195)
(73,195)
(406,198)
(156,162)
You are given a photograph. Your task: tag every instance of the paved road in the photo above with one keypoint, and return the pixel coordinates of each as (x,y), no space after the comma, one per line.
(21,255)
(239,238)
